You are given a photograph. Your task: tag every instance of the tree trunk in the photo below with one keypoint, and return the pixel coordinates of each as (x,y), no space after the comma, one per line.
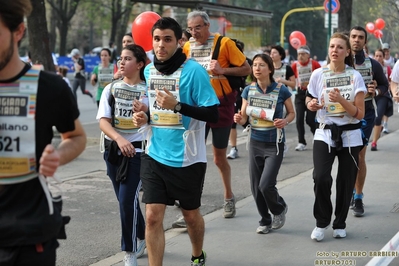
(345,15)
(65,10)
(53,29)
(115,18)
(121,31)
(63,29)
(39,41)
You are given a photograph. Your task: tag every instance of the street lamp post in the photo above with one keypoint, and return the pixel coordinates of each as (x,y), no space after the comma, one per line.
(302,9)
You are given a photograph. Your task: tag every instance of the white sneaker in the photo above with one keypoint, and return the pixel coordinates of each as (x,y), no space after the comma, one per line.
(179,223)
(300,147)
(285,149)
(339,233)
(318,233)
(130,259)
(263,229)
(233,153)
(141,245)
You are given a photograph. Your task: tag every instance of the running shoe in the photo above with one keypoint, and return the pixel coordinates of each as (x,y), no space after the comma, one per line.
(233,154)
(358,208)
(229,208)
(279,220)
(318,233)
(179,223)
(141,245)
(200,261)
(130,259)
(300,147)
(373,146)
(339,233)
(263,229)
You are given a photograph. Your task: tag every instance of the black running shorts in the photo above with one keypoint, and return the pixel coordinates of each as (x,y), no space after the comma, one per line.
(164,184)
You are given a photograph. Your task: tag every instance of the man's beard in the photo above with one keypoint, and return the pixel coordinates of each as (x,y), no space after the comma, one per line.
(5,57)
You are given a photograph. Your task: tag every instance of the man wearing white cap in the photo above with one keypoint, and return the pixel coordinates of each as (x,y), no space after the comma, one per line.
(303,69)
(80,76)
(388,59)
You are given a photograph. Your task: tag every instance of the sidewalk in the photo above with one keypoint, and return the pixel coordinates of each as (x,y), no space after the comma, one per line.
(234,241)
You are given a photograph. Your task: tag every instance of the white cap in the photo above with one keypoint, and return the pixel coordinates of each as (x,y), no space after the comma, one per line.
(385,46)
(75,52)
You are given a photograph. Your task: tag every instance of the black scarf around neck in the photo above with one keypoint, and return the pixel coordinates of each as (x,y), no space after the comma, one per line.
(172,64)
(360,57)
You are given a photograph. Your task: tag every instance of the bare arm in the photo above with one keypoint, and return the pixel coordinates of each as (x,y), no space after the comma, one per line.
(73,143)
(282,122)
(395,91)
(291,82)
(93,79)
(243,70)
(241,117)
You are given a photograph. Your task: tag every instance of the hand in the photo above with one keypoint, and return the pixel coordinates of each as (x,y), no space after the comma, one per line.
(313,105)
(93,80)
(335,96)
(126,147)
(49,161)
(280,123)
(371,87)
(216,68)
(117,74)
(139,106)
(139,119)
(165,99)
(237,117)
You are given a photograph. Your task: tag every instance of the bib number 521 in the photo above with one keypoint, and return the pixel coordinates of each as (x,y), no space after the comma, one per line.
(8,144)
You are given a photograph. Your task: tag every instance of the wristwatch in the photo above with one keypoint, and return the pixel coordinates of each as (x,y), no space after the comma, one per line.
(177,107)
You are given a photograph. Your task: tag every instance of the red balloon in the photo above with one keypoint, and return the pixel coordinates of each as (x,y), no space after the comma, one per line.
(141,29)
(228,24)
(370,27)
(378,34)
(379,23)
(297,39)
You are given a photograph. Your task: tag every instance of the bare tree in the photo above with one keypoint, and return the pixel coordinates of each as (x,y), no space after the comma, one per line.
(120,14)
(65,10)
(39,41)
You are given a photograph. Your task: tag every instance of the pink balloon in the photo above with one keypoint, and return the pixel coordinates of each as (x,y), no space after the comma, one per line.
(297,39)
(378,34)
(370,27)
(379,23)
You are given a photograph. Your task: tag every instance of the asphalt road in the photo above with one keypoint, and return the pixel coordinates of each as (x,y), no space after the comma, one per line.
(94,231)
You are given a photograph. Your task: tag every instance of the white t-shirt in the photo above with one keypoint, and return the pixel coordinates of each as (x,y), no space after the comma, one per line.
(395,73)
(104,110)
(350,138)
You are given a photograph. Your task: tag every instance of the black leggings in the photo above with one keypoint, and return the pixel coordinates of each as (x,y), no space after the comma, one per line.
(80,82)
(301,110)
(382,108)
